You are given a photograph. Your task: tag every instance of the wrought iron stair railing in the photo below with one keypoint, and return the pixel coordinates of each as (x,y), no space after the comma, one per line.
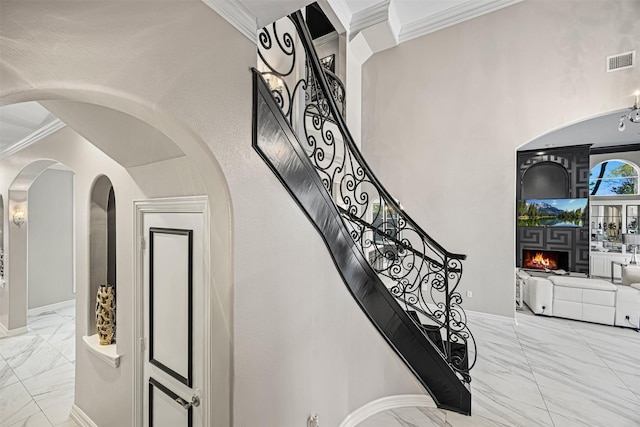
(404,280)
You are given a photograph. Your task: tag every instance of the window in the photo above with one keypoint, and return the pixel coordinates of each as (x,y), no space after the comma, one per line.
(385,219)
(613,177)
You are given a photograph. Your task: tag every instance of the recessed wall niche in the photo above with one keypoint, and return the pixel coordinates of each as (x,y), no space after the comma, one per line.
(102,244)
(545,180)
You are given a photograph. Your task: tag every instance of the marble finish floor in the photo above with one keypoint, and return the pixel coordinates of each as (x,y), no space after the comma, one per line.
(542,372)
(37,372)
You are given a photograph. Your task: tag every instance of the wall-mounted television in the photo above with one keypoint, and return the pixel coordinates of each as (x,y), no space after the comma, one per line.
(552,212)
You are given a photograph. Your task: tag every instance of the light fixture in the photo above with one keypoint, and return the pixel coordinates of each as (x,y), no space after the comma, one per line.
(634,115)
(18,217)
(633,240)
(275,83)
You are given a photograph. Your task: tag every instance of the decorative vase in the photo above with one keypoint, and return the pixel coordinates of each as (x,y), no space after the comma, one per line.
(106,314)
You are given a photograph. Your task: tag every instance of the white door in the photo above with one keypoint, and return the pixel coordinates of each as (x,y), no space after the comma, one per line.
(173,318)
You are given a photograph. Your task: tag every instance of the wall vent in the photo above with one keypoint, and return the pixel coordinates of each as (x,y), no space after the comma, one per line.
(621,61)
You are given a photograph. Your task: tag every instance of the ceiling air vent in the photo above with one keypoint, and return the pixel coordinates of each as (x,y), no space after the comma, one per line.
(621,61)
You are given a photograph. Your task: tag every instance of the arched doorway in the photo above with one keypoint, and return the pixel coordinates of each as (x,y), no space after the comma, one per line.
(213,186)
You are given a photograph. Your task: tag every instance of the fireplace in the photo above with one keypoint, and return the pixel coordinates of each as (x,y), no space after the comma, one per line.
(538,259)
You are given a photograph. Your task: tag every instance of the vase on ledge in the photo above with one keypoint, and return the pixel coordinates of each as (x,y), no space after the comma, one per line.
(106,314)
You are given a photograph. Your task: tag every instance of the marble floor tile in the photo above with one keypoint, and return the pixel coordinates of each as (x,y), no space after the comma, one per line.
(12,346)
(542,371)
(535,334)
(57,333)
(591,400)
(36,420)
(48,388)
(457,420)
(15,405)
(67,348)
(68,313)
(632,381)
(563,354)
(507,390)
(508,412)
(59,413)
(44,320)
(406,417)
(39,357)
(7,377)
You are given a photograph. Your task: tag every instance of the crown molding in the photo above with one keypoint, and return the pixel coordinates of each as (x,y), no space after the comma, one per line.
(237,15)
(326,38)
(33,137)
(340,9)
(452,16)
(372,15)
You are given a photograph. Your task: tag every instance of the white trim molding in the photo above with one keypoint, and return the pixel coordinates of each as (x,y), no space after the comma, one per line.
(33,137)
(51,307)
(190,204)
(106,353)
(493,316)
(81,418)
(4,332)
(372,15)
(451,16)
(385,404)
(237,15)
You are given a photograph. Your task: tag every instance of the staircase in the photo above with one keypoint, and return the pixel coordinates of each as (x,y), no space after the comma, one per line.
(402,279)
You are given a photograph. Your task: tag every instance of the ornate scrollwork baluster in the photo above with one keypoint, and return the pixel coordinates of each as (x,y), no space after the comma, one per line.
(421,275)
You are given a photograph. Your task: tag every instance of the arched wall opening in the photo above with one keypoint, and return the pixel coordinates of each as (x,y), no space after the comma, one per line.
(204,169)
(50,241)
(14,307)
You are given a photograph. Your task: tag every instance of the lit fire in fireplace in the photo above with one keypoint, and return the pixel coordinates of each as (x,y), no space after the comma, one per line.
(540,261)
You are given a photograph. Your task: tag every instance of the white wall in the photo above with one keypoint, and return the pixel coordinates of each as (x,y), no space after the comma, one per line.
(50,239)
(444,114)
(296,340)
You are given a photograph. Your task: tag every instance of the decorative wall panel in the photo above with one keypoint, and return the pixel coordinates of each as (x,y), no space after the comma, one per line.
(574,240)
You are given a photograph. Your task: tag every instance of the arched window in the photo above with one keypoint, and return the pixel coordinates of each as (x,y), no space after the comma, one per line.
(613,177)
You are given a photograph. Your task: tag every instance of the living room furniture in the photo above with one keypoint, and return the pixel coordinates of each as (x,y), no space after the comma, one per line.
(630,274)
(581,298)
(614,263)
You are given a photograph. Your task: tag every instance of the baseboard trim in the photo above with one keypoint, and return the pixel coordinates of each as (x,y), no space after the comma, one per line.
(51,307)
(4,332)
(492,316)
(81,418)
(385,404)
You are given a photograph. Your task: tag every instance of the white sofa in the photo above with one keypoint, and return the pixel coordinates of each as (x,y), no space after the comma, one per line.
(580,298)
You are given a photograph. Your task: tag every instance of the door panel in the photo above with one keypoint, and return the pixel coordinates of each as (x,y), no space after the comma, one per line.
(173,296)
(164,410)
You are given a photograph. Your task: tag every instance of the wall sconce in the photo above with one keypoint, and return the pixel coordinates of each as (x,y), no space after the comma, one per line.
(275,83)
(19,217)
(634,115)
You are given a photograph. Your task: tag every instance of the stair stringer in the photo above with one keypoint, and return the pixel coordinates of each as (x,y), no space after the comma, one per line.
(279,147)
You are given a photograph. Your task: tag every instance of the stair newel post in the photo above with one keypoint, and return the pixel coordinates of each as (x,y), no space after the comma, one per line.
(448,307)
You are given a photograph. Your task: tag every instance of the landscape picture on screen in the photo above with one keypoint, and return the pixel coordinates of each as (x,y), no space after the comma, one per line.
(552,212)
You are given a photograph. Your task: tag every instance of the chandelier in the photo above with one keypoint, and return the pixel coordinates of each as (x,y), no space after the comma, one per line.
(634,115)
